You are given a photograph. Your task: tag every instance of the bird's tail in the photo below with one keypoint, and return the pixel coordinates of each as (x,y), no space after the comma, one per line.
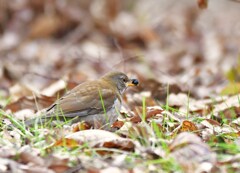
(42,117)
(36,120)
(46,118)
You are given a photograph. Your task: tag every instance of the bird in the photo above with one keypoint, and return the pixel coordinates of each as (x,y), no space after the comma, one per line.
(95,102)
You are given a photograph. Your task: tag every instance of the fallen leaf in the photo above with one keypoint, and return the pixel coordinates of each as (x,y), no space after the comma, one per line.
(228,103)
(59,164)
(54,88)
(96,138)
(18,91)
(27,155)
(45,26)
(189,150)
(188,126)
(231,89)
(66,142)
(150,112)
(202,4)
(118,124)
(80,126)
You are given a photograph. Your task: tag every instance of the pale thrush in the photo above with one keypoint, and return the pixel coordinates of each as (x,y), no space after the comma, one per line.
(96,102)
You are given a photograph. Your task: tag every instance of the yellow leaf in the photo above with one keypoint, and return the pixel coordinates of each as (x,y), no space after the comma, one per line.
(231,89)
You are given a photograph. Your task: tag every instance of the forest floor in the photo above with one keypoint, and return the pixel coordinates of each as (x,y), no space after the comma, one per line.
(183,117)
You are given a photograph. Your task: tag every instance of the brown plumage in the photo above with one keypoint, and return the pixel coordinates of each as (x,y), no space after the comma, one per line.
(95,102)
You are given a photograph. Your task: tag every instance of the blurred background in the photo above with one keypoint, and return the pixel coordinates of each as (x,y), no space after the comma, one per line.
(159,41)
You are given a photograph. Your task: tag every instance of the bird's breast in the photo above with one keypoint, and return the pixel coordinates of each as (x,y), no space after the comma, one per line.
(117,104)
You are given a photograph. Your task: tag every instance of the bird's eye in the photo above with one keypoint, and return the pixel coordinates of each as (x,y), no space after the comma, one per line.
(124,79)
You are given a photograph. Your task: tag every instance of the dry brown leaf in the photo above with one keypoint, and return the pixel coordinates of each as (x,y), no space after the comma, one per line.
(150,112)
(232,112)
(188,126)
(54,88)
(45,26)
(202,4)
(213,122)
(27,155)
(118,124)
(96,138)
(136,119)
(18,91)
(58,164)
(210,124)
(80,126)
(66,142)
(231,102)
(189,150)
(148,35)
(153,111)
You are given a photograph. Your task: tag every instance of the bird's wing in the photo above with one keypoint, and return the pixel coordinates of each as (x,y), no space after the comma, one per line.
(85,99)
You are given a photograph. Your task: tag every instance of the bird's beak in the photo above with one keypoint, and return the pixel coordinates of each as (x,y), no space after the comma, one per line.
(132,82)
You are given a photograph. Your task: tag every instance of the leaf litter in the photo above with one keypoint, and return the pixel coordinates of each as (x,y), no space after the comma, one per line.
(184,116)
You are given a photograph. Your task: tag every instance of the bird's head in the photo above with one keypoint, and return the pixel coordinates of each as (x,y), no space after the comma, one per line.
(120,80)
